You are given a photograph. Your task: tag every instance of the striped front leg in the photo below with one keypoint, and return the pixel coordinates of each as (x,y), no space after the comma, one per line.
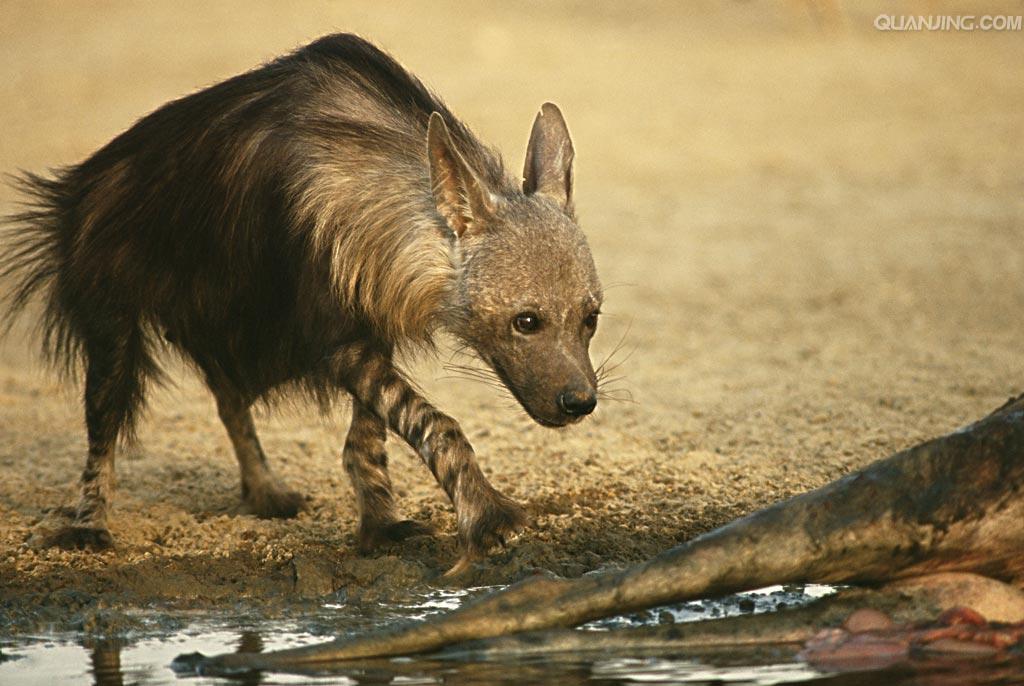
(484,515)
(367,466)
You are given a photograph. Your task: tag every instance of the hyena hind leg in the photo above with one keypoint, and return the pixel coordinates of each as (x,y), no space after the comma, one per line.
(116,365)
(367,465)
(262,492)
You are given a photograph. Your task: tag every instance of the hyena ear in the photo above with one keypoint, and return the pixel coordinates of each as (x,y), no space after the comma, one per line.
(459,194)
(549,156)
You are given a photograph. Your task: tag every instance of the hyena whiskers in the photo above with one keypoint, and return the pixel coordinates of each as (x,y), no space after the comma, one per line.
(607,379)
(291,228)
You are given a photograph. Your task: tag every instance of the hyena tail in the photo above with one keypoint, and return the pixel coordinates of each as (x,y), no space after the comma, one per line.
(31,254)
(43,257)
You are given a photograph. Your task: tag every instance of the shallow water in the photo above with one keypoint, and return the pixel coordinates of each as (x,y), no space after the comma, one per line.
(146,661)
(143,655)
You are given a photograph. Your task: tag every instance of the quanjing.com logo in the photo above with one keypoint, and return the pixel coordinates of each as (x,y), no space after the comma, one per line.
(948,22)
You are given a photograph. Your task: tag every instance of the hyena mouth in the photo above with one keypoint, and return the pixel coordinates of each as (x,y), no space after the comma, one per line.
(543,421)
(557,425)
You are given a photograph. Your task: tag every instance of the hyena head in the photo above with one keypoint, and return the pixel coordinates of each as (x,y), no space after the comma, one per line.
(527,296)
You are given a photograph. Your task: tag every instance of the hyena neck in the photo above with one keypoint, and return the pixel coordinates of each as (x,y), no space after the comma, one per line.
(453,315)
(406,278)
(438,275)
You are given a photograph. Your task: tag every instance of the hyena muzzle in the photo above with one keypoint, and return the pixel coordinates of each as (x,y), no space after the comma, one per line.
(291,228)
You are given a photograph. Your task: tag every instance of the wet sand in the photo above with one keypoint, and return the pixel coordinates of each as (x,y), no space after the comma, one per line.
(811,241)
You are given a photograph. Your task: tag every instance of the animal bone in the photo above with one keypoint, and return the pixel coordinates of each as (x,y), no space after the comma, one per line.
(951,504)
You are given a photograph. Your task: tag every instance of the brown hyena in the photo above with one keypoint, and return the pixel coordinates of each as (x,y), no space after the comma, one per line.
(290,229)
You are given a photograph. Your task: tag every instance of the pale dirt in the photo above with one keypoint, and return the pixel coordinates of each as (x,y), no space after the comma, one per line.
(811,240)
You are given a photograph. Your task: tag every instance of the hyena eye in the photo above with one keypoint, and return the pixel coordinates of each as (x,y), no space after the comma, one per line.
(590,321)
(526,322)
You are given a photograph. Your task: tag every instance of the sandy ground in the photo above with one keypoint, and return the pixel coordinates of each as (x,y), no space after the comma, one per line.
(811,241)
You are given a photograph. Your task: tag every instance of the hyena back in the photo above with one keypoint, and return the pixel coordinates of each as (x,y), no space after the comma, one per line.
(290,228)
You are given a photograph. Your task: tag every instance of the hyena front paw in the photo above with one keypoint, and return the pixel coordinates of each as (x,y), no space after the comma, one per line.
(79,537)
(497,518)
(373,535)
(274,502)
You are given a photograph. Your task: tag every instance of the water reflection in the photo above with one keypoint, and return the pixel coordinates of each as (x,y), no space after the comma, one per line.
(145,663)
(250,642)
(105,662)
(105,658)
(144,659)
(117,662)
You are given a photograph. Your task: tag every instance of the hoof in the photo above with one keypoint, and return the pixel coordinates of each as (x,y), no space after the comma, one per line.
(372,537)
(80,537)
(274,504)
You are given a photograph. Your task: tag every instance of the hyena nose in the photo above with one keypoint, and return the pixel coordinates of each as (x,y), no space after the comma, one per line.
(577,403)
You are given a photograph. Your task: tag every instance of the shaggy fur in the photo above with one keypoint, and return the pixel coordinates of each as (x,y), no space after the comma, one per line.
(290,228)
